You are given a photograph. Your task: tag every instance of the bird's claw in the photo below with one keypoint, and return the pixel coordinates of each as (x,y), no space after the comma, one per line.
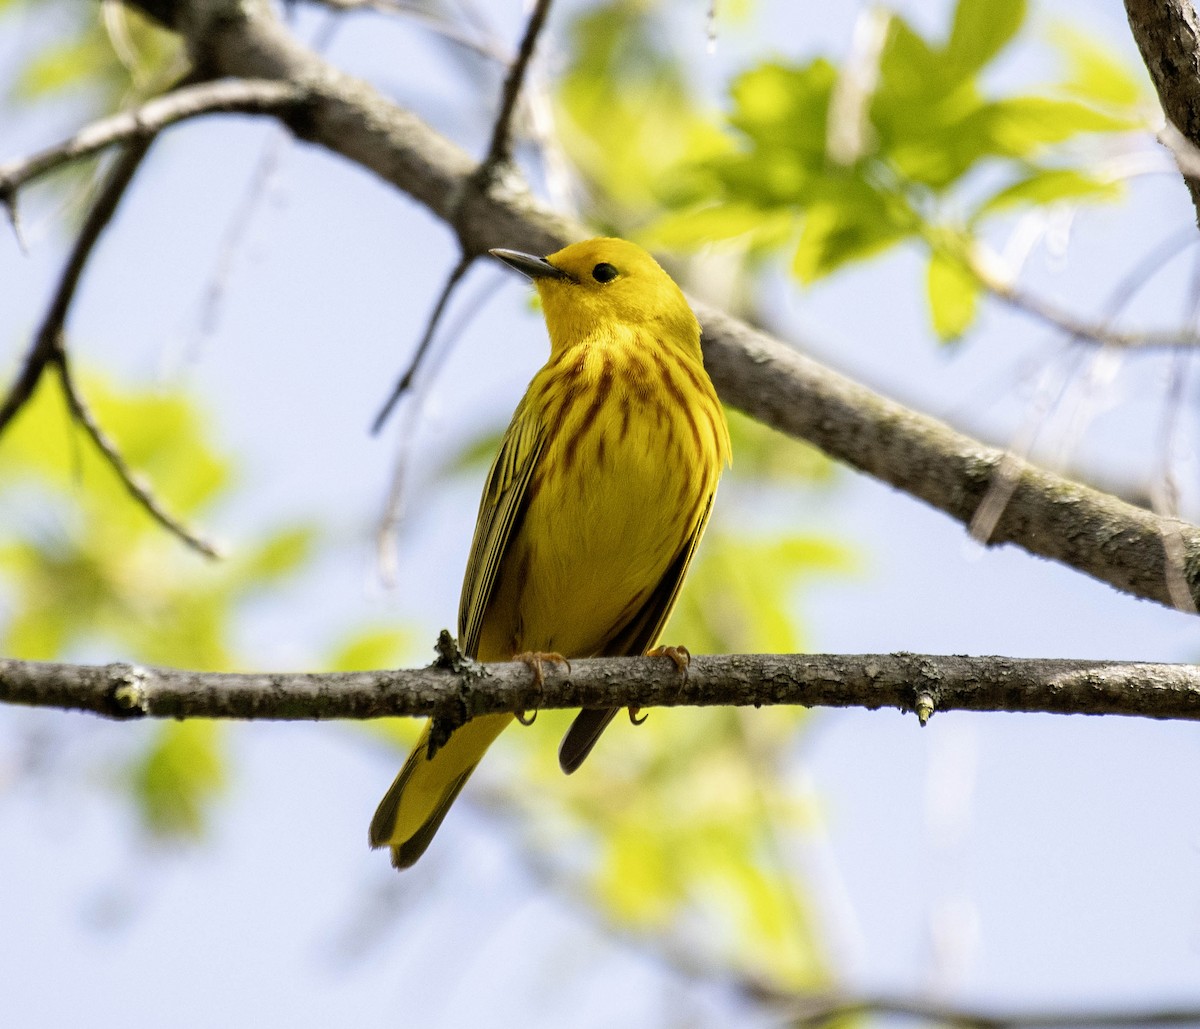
(680,657)
(536,661)
(525,718)
(635,717)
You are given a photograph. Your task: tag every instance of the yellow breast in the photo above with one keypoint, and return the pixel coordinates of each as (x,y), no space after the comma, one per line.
(635,443)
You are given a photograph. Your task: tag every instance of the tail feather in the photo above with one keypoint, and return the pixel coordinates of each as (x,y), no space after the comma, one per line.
(581,737)
(414,806)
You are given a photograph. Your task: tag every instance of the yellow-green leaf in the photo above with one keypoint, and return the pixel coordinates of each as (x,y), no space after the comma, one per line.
(1045,186)
(982,28)
(1096,73)
(953,295)
(179,776)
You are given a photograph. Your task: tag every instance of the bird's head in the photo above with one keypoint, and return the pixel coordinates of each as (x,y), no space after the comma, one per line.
(588,286)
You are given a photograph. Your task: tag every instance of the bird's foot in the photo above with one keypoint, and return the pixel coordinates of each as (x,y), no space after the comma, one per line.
(536,661)
(680,657)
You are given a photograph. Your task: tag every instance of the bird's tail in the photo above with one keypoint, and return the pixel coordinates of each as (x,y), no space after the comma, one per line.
(418,800)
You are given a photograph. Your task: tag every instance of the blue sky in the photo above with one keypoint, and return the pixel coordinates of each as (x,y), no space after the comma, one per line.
(989,858)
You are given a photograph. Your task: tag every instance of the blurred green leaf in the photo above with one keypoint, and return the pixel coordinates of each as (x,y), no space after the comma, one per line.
(740,593)
(71,64)
(691,228)
(784,109)
(1043,186)
(1098,74)
(953,295)
(178,777)
(1018,126)
(370,648)
(981,29)
(84,569)
(847,220)
(629,118)
(279,555)
(106,54)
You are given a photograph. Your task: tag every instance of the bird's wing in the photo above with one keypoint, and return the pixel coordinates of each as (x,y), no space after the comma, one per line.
(635,637)
(500,514)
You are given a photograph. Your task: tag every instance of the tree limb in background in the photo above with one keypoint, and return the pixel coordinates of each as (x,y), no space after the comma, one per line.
(1167,33)
(405,382)
(448,30)
(190,101)
(49,348)
(499,156)
(455,689)
(819,1011)
(1047,515)
(501,147)
(134,484)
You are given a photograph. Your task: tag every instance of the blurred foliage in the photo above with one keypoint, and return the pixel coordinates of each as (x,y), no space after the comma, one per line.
(104,55)
(688,824)
(904,142)
(86,572)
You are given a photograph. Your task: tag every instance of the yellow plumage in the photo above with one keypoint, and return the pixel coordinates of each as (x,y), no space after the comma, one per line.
(593,507)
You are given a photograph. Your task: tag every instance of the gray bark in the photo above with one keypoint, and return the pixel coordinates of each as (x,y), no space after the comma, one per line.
(923,683)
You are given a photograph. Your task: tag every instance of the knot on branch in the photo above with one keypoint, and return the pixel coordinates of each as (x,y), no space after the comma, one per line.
(926,681)
(457,708)
(128,691)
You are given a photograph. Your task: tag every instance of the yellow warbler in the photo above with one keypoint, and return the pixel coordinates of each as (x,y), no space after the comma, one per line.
(592,509)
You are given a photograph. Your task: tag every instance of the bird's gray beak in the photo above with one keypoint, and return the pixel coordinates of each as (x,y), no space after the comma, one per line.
(527,264)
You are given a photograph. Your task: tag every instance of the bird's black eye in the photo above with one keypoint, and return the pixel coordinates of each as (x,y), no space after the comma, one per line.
(604,272)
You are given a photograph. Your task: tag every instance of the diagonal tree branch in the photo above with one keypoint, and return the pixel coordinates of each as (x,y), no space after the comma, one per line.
(47,345)
(1048,515)
(497,160)
(500,150)
(454,689)
(49,348)
(134,484)
(406,380)
(191,101)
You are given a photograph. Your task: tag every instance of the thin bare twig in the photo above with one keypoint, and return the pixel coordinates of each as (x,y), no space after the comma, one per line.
(448,30)
(137,487)
(500,150)
(14,219)
(1007,475)
(49,349)
(404,384)
(499,154)
(47,344)
(1098,332)
(213,296)
(1164,491)
(393,511)
(244,96)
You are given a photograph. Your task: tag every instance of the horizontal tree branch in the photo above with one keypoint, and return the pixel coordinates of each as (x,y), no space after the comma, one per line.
(453,692)
(1046,514)
(817,1010)
(228,96)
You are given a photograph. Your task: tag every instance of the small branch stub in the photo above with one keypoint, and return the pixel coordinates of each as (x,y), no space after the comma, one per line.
(129,694)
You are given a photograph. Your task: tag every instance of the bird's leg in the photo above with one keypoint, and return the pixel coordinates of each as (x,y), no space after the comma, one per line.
(680,657)
(536,661)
